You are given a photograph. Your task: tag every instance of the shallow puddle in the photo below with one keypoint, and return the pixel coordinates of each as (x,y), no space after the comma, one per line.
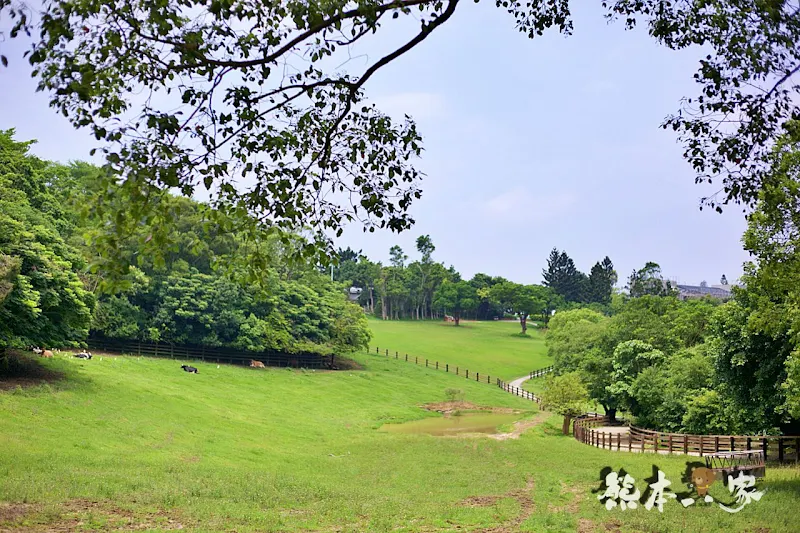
(453,425)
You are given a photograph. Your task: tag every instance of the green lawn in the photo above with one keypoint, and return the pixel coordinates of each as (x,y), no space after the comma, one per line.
(493,348)
(136,444)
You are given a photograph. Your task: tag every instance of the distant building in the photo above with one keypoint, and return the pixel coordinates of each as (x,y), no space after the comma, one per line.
(720,292)
(354,293)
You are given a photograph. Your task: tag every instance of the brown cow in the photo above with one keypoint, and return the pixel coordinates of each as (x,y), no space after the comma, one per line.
(256,364)
(47,353)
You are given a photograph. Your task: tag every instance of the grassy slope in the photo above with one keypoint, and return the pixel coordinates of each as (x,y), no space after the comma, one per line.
(254,450)
(493,348)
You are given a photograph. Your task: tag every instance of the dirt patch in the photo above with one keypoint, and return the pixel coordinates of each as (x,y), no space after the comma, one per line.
(586,526)
(343,363)
(480,501)
(520,427)
(525,498)
(18,369)
(82,515)
(613,526)
(573,506)
(13,512)
(448,408)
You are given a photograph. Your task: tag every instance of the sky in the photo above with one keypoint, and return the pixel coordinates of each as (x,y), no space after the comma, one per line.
(529,145)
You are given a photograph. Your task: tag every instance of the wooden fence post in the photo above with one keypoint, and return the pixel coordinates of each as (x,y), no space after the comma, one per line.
(764,447)
(477,376)
(447,367)
(669,443)
(685,444)
(426,363)
(416,360)
(395,355)
(387,352)
(437,365)
(701,446)
(656,438)
(467,372)
(716,444)
(377,350)
(733,444)
(780,450)
(406,358)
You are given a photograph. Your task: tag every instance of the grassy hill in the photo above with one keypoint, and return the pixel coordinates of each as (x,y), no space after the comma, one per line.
(125,443)
(493,348)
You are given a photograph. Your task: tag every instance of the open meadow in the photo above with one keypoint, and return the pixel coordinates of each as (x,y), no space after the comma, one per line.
(127,443)
(493,347)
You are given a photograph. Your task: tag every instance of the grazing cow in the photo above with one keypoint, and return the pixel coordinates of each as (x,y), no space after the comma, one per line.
(83,355)
(37,350)
(187,368)
(256,364)
(47,353)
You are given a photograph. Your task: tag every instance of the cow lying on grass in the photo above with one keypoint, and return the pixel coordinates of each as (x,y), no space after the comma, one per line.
(83,355)
(256,364)
(41,352)
(187,368)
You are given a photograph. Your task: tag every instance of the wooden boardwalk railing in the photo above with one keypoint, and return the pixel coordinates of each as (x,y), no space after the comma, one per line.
(776,448)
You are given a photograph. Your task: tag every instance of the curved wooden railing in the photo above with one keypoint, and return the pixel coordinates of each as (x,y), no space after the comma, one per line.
(776,448)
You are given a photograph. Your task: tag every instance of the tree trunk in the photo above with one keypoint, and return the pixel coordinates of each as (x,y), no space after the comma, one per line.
(565,426)
(457,318)
(383,307)
(611,414)
(523,320)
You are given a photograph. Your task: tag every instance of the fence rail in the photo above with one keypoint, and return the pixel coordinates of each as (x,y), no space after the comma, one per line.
(776,448)
(476,376)
(541,372)
(208,353)
(518,392)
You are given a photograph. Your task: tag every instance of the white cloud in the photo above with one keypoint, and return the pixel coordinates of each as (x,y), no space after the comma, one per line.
(527,205)
(419,105)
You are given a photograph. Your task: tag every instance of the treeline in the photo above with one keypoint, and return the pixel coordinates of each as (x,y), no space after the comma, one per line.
(424,288)
(703,366)
(58,284)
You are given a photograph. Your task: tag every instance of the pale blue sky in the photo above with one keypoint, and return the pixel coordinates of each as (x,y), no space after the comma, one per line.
(529,144)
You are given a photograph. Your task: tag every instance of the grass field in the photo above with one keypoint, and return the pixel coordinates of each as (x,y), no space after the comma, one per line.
(136,444)
(493,348)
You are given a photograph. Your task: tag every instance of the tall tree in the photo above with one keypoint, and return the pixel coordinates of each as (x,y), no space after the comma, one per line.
(44,301)
(455,297)
(563,277)
(602,279)
(425,247)
(522,300)
(649,281)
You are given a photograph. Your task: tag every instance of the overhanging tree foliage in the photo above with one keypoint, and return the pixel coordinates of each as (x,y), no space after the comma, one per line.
(246,98)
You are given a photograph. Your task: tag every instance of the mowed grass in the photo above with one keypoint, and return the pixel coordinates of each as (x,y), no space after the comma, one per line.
(136,444)
(491,347)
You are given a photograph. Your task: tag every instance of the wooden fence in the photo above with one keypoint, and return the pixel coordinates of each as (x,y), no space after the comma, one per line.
(436,365)
(477,376)
(780,449)
(541,372)
(518,392)
(207,353)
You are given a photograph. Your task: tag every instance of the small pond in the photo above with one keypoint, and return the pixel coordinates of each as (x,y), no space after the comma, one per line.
(480,422)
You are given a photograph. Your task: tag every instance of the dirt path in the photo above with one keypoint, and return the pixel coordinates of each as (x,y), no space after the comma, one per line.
(517,383)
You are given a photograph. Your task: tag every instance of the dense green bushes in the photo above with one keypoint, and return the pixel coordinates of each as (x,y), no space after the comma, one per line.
(55,285)
(682,366)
